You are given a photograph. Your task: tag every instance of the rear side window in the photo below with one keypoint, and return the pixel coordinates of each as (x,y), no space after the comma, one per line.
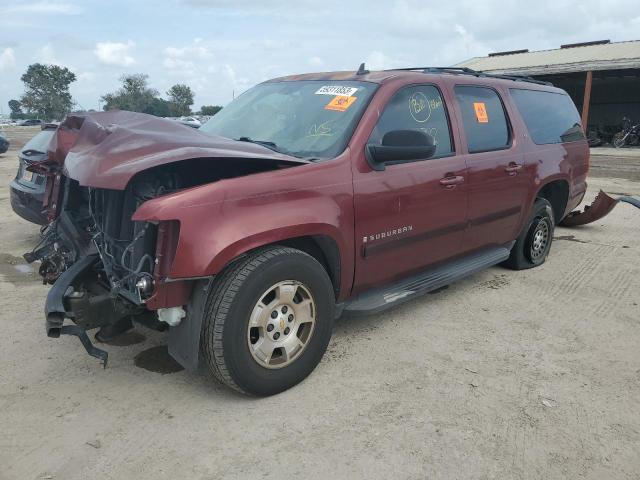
(550,117)
(484,119)
(418,107)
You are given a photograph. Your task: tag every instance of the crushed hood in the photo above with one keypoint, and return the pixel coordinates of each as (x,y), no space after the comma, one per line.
(106,149)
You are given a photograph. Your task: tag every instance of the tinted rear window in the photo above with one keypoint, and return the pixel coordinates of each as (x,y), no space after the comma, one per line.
(550,117)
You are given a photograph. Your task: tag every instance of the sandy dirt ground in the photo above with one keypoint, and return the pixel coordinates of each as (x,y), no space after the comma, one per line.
(525,375)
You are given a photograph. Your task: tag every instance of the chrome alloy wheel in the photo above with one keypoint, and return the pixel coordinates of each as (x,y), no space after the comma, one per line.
(540,240)
(281,324)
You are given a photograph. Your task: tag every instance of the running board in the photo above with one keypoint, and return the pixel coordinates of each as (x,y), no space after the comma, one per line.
(380,299)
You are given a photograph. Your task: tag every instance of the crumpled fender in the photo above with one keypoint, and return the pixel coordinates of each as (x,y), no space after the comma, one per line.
(220,221)
(600,207)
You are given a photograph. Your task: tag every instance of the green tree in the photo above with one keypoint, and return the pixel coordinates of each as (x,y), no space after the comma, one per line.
(160,108)
(134,95)
(210,110)
(16,109)
(47,91)
(181,99)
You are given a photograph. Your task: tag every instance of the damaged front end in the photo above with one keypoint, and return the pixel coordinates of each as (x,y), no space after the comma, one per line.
(107,269)
(103,266)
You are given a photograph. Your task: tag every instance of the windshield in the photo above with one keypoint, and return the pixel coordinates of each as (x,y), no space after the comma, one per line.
(302,118)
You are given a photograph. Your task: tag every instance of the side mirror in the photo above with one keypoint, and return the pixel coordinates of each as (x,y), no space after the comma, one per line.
(400,146)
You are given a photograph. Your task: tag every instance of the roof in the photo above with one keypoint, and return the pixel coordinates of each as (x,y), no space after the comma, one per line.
(579,58)
(374,77)
(418,73)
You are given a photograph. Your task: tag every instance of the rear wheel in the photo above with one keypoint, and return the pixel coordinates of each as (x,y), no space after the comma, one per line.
(534,242)
(268,321)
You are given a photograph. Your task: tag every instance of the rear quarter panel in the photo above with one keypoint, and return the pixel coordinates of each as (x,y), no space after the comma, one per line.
(568,162)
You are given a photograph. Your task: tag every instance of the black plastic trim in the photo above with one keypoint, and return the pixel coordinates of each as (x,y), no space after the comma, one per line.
(380,299)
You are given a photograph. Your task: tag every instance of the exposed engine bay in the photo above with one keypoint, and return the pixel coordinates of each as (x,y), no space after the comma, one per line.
(96,223)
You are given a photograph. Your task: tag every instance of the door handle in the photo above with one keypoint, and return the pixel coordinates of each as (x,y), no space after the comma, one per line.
(450,181)
(512,168)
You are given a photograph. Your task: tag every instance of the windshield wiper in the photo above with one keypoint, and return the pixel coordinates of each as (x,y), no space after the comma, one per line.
(269,145)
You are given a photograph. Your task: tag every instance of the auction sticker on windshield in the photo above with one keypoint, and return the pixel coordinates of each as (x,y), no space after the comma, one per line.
(340,103)
(337,90)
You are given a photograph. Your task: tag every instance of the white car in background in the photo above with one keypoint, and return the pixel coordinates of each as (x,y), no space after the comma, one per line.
(190,121)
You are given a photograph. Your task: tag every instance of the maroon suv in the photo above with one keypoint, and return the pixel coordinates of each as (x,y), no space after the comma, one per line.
(305,198)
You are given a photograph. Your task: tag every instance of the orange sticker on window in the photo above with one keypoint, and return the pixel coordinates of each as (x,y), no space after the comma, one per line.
(481,112)
(340,103)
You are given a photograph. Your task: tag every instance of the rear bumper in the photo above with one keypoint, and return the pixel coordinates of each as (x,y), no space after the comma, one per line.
(27,203)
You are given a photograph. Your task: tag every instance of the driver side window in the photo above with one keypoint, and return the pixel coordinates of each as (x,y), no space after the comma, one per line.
(418,107)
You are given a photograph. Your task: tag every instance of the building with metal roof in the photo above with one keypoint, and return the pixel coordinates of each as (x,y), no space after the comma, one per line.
(602,77)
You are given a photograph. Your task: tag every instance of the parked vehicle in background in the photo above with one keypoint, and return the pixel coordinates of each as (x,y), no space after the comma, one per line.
(4,143)
(30,122)
(594,138)
(27,188)
(190,122)
(629,136)
(306,197)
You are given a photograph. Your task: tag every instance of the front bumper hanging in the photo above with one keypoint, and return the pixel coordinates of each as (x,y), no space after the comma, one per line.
(55,310)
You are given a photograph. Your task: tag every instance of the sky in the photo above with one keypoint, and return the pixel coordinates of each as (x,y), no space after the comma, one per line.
(222,47)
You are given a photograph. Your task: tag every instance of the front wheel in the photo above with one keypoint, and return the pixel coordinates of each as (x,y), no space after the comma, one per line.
(534,242)
(268,321)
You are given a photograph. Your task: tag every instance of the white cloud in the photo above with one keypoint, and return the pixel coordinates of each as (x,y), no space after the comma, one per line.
(115,53)
(7,59)
(239,84)
(316,62)
(45,7)
(47,55)
(85,76)
(379,61)
(184,59)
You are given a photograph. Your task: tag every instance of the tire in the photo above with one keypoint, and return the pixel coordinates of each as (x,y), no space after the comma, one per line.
(236,298)
(534,242)
(618,142)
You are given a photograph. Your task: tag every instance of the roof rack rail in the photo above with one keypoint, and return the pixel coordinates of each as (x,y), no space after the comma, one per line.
(469,71)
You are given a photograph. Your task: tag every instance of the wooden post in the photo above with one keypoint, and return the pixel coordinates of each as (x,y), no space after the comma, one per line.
(586,100)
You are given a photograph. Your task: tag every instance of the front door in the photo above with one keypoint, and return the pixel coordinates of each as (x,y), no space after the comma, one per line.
(413,214)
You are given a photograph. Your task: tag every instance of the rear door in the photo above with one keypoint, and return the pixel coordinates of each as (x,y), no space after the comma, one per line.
(498,180)
(557,142)
(411,214)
